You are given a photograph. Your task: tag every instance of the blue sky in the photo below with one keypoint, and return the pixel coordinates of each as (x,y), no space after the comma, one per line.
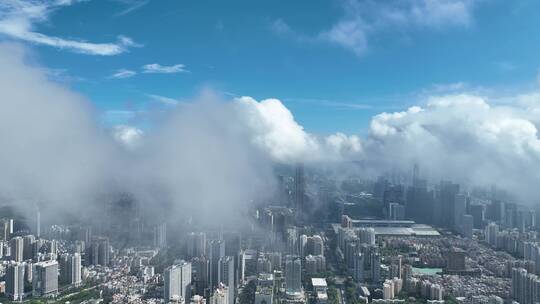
(334,64)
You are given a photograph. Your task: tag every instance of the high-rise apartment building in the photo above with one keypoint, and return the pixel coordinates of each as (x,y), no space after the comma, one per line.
(15,281)
(45,278)
(293,274)
(217,251)
(177,282)
(17,249)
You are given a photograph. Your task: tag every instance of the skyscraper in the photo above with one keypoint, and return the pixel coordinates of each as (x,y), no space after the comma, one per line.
(70,269)
(196,244)
(200,274)
(5,229)
(317,245)
(478,214)
(447,197)
(28,251)
(15,281)
(45,278)
(38,223)
(459,210)
(17,249)
(226,275)
(160,235)
(467,224)
(396,211)
(293,274)
(233,246)
(299,191)
(217,251)
(99,252)
(177,282)
(419,202)
(491,231)
(367,236)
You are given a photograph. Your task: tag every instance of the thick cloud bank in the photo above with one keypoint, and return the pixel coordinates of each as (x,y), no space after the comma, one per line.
(213,156)
(52,151)
(55,155)
(464,138)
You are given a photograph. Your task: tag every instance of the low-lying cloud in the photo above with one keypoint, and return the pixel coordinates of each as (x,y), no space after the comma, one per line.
(213,156)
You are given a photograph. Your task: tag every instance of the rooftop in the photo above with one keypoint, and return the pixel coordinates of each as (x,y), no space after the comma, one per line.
(318,282)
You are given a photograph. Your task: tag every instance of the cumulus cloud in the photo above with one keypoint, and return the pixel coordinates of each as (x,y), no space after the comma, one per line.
(19,17)
(273,128)
(461,137)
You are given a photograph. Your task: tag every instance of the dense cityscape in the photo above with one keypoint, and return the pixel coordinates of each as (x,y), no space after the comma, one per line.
(389,240)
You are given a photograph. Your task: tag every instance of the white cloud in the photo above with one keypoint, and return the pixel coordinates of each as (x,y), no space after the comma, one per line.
(279,27)
(461,137)
(160,69)
(19,17)
(344,145)
(362,20)
(123,73)
(438,13)
(273,128)
(164,100)
(128,136)
(458,136)
(350,34)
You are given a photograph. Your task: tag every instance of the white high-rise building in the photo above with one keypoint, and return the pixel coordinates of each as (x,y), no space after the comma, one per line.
(388,290)
(367,236)
(45,278)
(15,281)
(303,245)
(177,282)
